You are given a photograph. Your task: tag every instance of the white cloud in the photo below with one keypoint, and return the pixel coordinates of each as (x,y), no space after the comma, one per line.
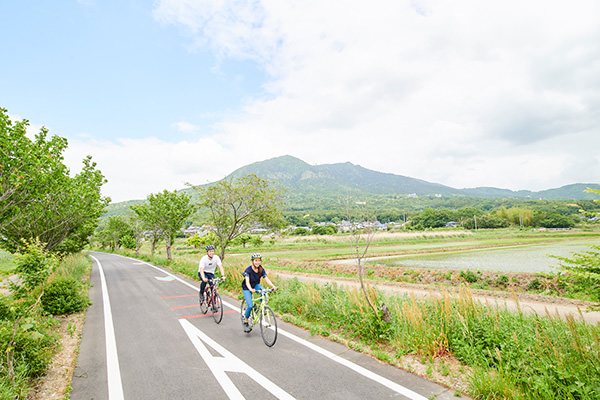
(136,168)
(186,127)
(463,93)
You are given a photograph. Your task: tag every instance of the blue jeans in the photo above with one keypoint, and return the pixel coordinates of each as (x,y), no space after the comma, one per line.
(248,297)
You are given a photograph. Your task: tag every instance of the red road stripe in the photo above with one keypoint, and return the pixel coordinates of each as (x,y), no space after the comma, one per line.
(183,295)
(208,314)
(193,305)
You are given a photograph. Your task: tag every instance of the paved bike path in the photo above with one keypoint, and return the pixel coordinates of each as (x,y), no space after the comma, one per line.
(165,349)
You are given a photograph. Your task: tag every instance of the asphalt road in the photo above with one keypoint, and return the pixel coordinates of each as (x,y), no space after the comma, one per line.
(145,338)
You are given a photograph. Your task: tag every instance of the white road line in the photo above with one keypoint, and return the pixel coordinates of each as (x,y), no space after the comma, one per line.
(228,363)
(342,361)
(115,387)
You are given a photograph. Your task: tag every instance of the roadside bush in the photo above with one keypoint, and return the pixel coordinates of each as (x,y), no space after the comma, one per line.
(32,345)
(33,266)
(586,267)
(63,296)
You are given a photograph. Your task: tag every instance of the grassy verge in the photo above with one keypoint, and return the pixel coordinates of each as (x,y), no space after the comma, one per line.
(28,332)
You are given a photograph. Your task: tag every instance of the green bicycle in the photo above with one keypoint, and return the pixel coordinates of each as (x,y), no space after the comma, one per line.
(262,315)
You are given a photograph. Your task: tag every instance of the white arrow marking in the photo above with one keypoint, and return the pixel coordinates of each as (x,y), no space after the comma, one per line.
(227,363)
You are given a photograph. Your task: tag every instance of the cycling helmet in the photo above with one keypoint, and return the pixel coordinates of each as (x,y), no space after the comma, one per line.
(255,255)
(210,247)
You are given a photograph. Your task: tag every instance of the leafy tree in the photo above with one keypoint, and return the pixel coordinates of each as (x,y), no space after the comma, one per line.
(115,230)
(137,228)
(243,239)
(257,241)
(39,199)
(325,229)
(198,240)
(432,218)
(166,212)
(238,205)
(585,265)
(301,231)
(553,220)
(486,222)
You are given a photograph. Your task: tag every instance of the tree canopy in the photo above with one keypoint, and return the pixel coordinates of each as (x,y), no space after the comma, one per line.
(165,212)
(239,205)
(39,198)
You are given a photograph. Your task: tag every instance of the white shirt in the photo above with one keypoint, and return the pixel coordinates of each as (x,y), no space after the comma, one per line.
(209,265)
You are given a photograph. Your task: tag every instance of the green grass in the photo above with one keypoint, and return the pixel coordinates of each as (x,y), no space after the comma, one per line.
(23,320)
(7,264)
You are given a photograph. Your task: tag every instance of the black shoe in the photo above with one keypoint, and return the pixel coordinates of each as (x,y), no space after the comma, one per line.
(247,327)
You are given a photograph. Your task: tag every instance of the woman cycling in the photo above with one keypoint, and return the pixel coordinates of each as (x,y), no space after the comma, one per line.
(251,284)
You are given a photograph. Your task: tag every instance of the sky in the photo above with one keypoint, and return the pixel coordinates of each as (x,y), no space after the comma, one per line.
(464,93)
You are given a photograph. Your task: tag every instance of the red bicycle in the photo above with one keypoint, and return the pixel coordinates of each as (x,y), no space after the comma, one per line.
(212,300)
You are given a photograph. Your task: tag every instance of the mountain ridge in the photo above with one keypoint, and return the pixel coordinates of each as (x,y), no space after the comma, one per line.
(294,173)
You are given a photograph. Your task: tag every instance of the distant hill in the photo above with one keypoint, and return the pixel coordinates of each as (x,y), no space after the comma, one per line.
(311,184)
(295,174)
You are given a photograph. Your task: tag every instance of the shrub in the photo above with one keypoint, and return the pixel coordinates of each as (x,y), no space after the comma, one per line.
(534,284)
(32,345)
(469,276)
(63,296)
(502,280)
(33,266)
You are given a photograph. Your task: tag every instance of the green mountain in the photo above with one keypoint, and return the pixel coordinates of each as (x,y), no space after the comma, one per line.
(323,187)
(294,174)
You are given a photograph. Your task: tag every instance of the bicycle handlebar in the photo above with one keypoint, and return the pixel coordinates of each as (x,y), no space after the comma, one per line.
(261,291)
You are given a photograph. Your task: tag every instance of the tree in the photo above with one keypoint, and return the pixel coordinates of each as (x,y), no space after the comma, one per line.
(138,228)
(586,264)
(166,212)
(243,239)
(362,233)
(39,199)
(116,229)
(238,205)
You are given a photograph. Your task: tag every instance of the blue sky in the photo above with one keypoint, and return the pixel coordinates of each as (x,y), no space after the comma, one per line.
(165,92)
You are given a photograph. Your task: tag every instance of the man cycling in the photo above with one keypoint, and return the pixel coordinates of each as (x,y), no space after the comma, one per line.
(207,266)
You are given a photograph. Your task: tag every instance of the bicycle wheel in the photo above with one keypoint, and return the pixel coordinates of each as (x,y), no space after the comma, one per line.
(243,307)
(268,326)
(203,305)
(217,308)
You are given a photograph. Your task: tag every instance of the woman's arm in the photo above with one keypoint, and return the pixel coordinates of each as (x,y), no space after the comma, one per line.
(248,284)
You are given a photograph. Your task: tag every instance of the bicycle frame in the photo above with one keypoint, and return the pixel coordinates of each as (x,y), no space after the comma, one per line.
(212,300)
(262,315)
(259,302)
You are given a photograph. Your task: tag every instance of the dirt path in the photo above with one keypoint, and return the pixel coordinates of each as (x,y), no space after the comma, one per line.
(539,305)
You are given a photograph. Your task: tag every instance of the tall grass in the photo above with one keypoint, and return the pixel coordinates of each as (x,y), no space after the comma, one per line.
(511,355)
(28,338)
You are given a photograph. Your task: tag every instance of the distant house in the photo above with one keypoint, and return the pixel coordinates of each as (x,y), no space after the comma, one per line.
(412,195)
(452,224)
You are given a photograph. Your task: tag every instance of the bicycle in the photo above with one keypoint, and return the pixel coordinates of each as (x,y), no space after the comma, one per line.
(212,300)
(261,314)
